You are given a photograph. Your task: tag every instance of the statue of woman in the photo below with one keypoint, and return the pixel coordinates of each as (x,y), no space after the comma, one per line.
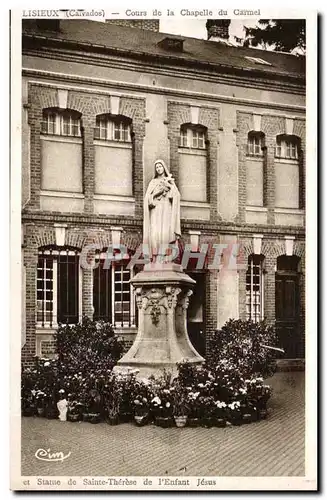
(161,212)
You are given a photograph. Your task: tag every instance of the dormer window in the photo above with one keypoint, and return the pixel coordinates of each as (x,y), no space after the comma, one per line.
(258,60)
(172,43)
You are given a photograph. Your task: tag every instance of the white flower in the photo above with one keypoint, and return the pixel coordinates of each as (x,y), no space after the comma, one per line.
(156,400)
(167,405)
(61,390)
(47,363)
(200,385)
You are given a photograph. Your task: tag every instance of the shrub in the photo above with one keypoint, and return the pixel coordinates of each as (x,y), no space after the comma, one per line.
(245,345)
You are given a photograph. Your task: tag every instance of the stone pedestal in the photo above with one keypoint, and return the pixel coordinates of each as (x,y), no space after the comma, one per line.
(162,296)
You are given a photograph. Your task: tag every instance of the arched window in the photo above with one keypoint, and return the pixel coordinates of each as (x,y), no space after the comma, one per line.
(113,294)
(193,163)
(255,288)
(113,156)
(61,122)
(58,283)
(113,128)
(287,172)
(255,144)
(255,164)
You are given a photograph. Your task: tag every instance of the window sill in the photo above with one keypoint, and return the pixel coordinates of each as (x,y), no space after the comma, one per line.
(296,211)
(258,158)
(192,151)
(61,194)
(112,144)
(61,138)
(289,161)
(253,208)
(195,204)
(113,197)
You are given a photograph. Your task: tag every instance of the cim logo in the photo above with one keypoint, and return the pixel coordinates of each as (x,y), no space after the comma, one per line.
(47,456)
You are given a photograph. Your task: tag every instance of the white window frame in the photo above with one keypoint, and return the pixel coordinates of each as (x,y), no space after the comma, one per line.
(254,145)
(130,272)
(107,129)
(251,296)
(192,138)
(54,323)
(58,122)
(287,149)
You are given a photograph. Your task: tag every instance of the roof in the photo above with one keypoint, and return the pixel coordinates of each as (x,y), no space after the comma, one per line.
(139,43)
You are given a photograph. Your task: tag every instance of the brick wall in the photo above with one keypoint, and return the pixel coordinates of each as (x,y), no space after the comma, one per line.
(89,105)
(180,114)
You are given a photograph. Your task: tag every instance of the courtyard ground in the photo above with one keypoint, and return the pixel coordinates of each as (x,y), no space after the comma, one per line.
(272,447)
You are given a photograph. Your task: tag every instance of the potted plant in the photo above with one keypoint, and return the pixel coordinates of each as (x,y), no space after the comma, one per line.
(235,412)
(40,400)
(75,410)
(112,398)
(220,414)
(195,408)
(180,405)
(209,408)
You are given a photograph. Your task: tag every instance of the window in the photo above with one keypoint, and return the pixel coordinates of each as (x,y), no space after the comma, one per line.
(255,169)
(193,163)
(57,122)
(255,288)
(255,144)
(286,148)
(192,137)
(113,296)
(109,129)
(258,60)
(287,172)
(57,287)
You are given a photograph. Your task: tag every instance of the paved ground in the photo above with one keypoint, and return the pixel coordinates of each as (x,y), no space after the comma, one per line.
(274,447)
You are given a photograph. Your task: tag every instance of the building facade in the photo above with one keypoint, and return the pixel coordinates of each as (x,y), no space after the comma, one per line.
(102,102)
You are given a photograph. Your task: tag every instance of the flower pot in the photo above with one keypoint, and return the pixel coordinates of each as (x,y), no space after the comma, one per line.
(220,422)
(51,413)
(141,420)
(125,417)
(28,412)
(180,421)
(85,417)
(262,414)
(112,420)
(247,418)
(40,412)
(207,422)
(73,417)
(94,418)
(164,422)
(193,422)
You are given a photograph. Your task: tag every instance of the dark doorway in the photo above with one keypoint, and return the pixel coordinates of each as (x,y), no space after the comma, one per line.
(196,312)
(287,304)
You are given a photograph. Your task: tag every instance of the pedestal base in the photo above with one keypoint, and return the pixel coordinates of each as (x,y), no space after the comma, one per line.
(162,296)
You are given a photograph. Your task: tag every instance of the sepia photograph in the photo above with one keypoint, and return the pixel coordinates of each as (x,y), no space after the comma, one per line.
(162,237)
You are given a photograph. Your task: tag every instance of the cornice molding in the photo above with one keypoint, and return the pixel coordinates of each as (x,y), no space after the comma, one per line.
(219,227)
(208,72)
(146,89)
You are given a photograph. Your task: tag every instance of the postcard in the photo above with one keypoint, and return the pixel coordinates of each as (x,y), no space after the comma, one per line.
(163,249)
